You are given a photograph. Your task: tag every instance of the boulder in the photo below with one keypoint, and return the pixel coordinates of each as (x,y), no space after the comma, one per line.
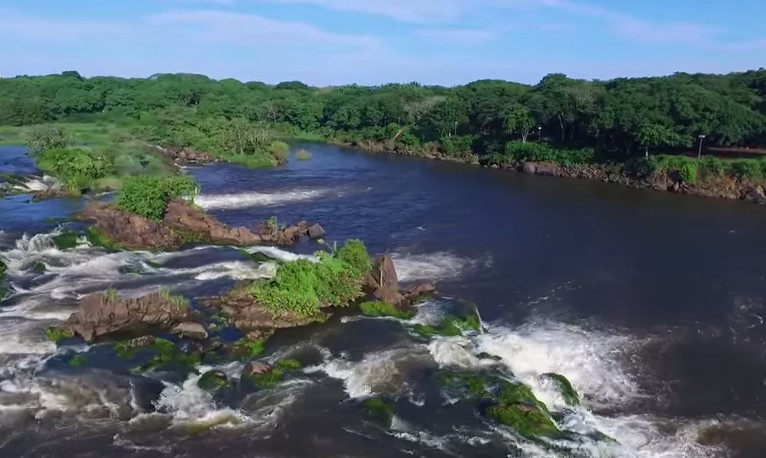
(388,295)
(529,167)
(212,380)
(316,232)
(254,368)
(190,329)
(419,290)
(106,313)
(384,273)
(754,194)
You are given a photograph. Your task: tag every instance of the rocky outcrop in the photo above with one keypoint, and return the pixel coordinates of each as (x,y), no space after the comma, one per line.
(190,329)
(383,284)
(107,313)
(183,223)
(184,156)
(252,318)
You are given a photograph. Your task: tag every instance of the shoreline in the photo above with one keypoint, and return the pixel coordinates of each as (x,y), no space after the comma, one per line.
(717,187)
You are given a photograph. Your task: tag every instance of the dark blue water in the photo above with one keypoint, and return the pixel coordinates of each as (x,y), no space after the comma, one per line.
(651,303)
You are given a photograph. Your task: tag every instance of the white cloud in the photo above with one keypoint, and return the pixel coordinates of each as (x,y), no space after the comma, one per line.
(401,10)
(221,26)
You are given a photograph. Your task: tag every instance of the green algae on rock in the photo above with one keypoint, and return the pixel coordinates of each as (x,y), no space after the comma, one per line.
(384,309)
(450,326)
(571,398)
(212,380)
(57,333)
(379,410)
(66,240)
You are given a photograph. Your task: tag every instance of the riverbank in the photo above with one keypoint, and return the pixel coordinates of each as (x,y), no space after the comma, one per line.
(708,178)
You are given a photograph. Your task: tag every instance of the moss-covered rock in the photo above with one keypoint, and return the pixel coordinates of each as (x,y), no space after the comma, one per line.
(98,238)
(166,355)
(450,326)
(379,410)
(212,380)
(77,360)
(564,386)
(485,355)
(510,403)
(5,289)
(57,333)
(66,240)
(39,267)
(384,309)
(246,348)
(288,365)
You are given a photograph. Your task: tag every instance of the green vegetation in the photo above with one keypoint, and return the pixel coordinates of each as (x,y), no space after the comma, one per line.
(167,354)
(510,403)
(379,410)
(288,365)
(303,155)
(66,240)
(98,238)
(611,122)
(278,372)
(450,326)
(304,287)
(272,223)
(175,299)
(77,169)
(248,347)
(5,289)
(148,196)
(380,309)
(565,387)
(57,333)
(212,381)
(77,360)
(39,267)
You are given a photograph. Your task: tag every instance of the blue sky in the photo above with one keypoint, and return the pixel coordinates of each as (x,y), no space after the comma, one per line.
(326,42)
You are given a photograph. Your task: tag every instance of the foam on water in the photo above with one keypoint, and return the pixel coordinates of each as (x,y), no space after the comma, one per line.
(377,372)
(189,403)
(256,199)
(441,265)
(278,254)
(594,361)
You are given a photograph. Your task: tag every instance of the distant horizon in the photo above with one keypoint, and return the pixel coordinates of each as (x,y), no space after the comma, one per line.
(374,42)
(274,83)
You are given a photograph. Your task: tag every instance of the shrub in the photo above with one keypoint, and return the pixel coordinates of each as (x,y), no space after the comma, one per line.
(279,151)
(355,253)
(542,152)
(303,155)
(254,161)
(457,146)
(746,168)
(303,287)
(77,169)
(714,166)
(47,138)
(148,196)
(689,172)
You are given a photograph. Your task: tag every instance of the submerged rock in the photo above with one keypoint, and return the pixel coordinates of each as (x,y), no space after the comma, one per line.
(183,223)
(380,411)
(212,380)
(190,329)
(105,313)
(571,398)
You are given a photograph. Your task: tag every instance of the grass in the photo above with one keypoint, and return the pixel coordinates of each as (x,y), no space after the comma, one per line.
(175,299)
(56,334)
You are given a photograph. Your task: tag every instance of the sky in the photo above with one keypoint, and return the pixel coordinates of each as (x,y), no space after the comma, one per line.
(331,42)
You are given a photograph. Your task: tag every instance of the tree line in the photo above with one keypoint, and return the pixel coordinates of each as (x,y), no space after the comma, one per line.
(617,119)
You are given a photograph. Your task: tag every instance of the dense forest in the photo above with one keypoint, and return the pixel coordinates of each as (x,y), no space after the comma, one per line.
(616,119)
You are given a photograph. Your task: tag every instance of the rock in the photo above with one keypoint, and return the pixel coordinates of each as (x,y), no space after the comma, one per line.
(529,167)
(419,290)
(316,232)
(754,194)
(183,223)
(106,313)
(389,295)
(384,273)
(212,380)
(190,329)
(254,368)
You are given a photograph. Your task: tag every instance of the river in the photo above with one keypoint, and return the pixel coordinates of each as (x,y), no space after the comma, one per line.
(651,304)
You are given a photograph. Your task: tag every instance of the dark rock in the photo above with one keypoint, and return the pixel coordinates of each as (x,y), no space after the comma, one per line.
(190,329)
(384,273)
(106,313)
(254,368)
(212,380)
(388,295)
(754,194)
(316,232)
(419,290)
(529,167)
